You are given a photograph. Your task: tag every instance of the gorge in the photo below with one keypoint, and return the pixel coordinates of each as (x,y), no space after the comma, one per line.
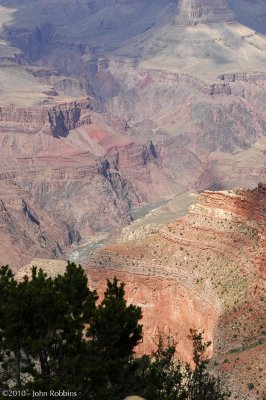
(110,107)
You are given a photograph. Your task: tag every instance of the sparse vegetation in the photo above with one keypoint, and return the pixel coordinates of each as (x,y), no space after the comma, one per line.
(250,386)
(55,335)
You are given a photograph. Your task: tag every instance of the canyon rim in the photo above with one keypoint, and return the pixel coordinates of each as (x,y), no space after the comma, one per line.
(133,140)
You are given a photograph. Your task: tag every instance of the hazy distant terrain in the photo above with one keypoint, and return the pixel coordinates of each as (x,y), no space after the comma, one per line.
(115,116)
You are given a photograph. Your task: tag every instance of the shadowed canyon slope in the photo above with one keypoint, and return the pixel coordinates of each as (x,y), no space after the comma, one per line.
(26,229)
(109,106)
(205,270)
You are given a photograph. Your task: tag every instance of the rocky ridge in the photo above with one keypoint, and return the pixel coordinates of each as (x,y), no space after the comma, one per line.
(205,270)
(159,129)
(179,106)
(94,161)
(57,120)
(26,229)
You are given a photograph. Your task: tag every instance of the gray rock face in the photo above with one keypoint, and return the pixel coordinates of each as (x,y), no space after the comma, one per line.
(66,117)
(194,12)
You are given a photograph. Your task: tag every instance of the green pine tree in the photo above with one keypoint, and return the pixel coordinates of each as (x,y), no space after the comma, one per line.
(113,334)
(159,376)
(201,384)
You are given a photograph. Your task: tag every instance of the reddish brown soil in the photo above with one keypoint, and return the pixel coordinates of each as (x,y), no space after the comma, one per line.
(206,270)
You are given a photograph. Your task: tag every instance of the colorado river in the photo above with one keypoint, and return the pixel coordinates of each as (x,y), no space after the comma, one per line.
(141,212)
(83,251)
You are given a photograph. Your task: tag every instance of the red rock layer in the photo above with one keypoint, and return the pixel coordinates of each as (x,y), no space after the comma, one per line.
(57,120)
(167,305)
(206,270)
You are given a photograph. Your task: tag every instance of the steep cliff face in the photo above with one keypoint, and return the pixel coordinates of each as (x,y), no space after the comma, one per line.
(167,305)
(104,159)
(205,270)
(57,120)
(154,171)
(243,76)
(33,43)
(215,117)
(26,229)
(194,12)
(93,162)
(154,84)
(69,116)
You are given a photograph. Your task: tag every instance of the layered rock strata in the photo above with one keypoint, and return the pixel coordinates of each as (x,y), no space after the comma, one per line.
(206,270)
(57,120)
(194,12)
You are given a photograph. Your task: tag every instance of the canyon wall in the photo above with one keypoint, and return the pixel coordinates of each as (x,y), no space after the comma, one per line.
(205,270)
(57,120)
(26,229)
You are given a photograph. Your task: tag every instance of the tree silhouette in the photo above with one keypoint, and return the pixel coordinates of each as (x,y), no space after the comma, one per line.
(56,335)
